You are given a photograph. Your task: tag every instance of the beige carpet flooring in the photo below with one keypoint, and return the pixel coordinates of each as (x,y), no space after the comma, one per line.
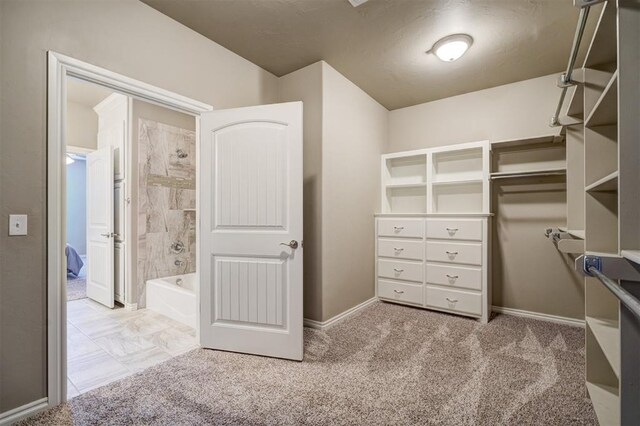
(388,365)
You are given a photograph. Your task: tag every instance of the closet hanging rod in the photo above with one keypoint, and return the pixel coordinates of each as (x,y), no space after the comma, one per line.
(530,174)
(620,293)
(565,78)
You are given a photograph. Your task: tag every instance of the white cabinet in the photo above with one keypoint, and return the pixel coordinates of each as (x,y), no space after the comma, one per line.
(432,237)
(437,270)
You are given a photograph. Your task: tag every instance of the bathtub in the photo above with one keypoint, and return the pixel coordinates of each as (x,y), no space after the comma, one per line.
(165,297)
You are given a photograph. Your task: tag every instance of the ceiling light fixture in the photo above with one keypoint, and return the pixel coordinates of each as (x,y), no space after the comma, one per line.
(452,47)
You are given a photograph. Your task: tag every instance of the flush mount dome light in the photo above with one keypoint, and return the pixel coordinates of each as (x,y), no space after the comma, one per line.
(452,47)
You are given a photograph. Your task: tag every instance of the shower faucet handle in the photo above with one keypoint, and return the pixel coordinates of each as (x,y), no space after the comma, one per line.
(177,247)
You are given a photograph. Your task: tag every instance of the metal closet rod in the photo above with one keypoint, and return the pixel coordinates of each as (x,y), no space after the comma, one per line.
(565,79)
(531,174)
(623,295)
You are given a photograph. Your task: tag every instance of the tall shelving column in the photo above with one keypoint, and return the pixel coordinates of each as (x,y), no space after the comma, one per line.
(629,198)
(611,205)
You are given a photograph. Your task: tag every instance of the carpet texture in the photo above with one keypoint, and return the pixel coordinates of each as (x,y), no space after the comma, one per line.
(76,288)
(388,365)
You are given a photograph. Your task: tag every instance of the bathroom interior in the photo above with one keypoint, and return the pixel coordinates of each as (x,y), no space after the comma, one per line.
(130,291)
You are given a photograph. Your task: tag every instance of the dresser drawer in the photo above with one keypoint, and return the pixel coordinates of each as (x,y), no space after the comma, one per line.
(454,300)
(399,270)
(455,229)
(401,249)
(408,228)
(467,253)
(454,276)
(401,292)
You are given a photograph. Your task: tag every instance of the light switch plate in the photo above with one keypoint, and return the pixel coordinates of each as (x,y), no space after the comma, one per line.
(17,224)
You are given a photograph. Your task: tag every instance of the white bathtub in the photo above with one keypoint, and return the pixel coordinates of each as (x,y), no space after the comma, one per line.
(177,302)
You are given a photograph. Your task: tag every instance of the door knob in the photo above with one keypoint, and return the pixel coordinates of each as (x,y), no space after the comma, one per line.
(293,244)
(107,235)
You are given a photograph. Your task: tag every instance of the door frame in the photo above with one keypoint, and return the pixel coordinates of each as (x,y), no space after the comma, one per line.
(59,67)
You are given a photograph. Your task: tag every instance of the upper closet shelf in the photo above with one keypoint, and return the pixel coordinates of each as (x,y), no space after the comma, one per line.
(605,111)
(632,255)
(608,183)
(508,143)
(406,185)
(454,181)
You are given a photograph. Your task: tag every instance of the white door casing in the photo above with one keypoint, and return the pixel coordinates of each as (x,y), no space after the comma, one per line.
(100,242)
(250,192)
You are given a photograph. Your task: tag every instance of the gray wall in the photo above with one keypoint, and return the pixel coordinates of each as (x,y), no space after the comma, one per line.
(124,36)
(354,134)
(523,208)
(77,206)
(306,85)
(345,133)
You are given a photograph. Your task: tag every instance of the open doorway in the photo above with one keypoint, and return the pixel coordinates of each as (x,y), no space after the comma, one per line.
(130,235)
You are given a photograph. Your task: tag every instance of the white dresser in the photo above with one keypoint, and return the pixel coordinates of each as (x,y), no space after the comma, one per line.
(432,237)
(435,262)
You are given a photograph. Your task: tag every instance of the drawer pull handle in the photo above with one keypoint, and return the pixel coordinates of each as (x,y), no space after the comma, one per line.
(452,229)
(398,270)
(398,249)
(453,277)
(451,253)
(398,228)
(398,291)
(451,300)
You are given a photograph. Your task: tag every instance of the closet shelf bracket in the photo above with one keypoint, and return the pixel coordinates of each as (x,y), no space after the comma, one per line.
(564,241)
(613,266)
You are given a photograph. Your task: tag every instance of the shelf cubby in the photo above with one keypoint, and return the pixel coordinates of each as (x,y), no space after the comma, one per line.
(603,45)
(542,156)
(406,199)
(601,152)
(457,166)
(458,197)
(601,228)
(605,110)
(409,170)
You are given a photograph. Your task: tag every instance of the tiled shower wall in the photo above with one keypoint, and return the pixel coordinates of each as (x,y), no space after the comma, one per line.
(166,202)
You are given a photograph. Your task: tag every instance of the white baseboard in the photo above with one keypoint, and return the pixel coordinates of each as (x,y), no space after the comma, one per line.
(539,316)
(323,325)
(19,413)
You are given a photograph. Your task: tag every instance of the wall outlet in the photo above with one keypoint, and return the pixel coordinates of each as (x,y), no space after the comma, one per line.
(17,224)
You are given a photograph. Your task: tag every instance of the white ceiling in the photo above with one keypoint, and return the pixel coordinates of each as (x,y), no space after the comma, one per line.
(85,93)
(381,44)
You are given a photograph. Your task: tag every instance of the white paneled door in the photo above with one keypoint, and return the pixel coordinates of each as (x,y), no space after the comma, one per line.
(100,250)
(250,192)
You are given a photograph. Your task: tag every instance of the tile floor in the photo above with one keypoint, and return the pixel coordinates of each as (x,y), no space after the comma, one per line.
(105,344)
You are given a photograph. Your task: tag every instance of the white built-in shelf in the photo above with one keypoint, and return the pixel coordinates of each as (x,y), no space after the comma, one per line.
(632,255)
(526,173)
(607,334)
(453,181)
(605,111)
(406,185)
(608,183)
(542,139)
(605,403)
